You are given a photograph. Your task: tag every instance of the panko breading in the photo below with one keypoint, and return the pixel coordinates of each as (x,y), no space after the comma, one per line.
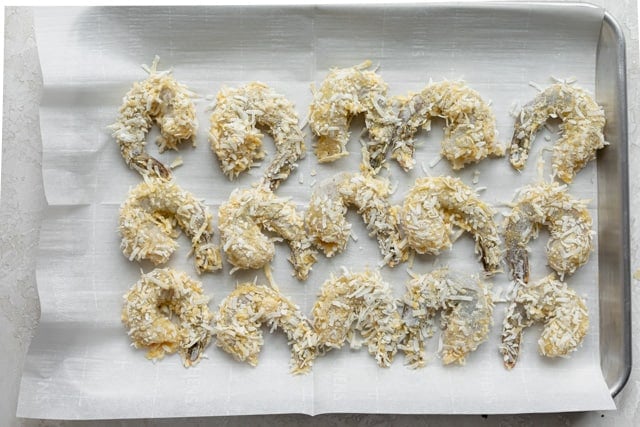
(158,99)
(467,310)
(149,307)
(246,309)
(582,129)
(236,140)
(326,217)
(147,224)
(551,301)
(345,93)
(470,131)
(358,302)
(569,223)
(242,219)
(435,204)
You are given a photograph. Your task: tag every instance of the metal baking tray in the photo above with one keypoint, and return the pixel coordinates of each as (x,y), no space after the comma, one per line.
(612,164)
(613,209)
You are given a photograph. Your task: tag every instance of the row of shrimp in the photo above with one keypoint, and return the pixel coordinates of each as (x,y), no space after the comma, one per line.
(166,311)
(392,123)
(424,223)
(234,135)
(470,126)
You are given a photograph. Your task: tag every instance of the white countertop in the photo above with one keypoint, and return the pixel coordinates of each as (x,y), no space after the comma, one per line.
(23,200)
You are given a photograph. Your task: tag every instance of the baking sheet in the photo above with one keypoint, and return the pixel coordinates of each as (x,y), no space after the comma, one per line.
(80,364)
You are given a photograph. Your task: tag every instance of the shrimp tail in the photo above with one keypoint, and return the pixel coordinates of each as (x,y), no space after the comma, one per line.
(193,353)
(303,256)
(520,146)
(145,164)
(207,257)
(518,261)
(515,322)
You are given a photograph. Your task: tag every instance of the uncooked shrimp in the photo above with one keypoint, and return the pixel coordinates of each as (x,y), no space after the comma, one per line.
(147,311)
(551,301)
(344,93)
(582,129)
(247,212)
(249,306)
(326,217)
(147,224)
(435,204)
(238,143)
(470,129)
(467,310)
(568,221)
(158,99)
(358,302)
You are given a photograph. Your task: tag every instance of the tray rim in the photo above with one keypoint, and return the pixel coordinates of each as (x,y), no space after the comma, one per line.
(610,23)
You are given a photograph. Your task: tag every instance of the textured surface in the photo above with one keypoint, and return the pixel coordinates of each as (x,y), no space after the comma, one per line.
(19,222)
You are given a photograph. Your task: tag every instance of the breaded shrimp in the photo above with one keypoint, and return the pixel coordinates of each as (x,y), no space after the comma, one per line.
(582,129)
(358,302)
(246,309)
(237,142)
(326,217)
(345,93)
(567,219)
(470,130)
(551,301)
(467,310)
(147,311)
(247,212)
(435,204)
(158,99)
(148,218)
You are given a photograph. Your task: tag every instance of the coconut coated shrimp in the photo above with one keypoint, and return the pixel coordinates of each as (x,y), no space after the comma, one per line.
(147,311)
(344,93)
(247,212)
(148,218)
(563,312)
(567,219)
(358,302)
(467,312)
(326,217)
(469,133)
(435,204)
(158,99)
(582,129)
(246,309)
(238,143)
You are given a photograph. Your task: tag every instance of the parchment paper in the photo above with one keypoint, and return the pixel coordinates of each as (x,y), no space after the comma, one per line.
(81,365)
